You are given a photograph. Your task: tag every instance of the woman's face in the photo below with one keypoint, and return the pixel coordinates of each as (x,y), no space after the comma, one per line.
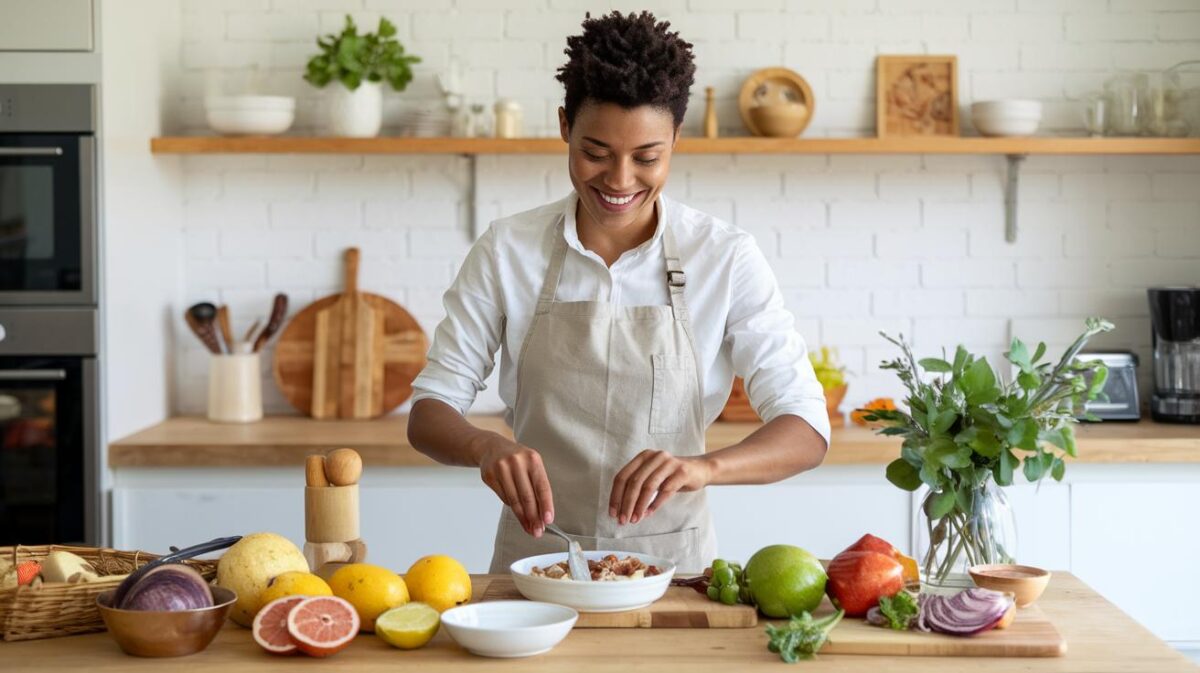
(618,159)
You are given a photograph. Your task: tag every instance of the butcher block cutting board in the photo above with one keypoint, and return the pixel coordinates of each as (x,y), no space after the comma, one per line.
(349,355)
(680,607)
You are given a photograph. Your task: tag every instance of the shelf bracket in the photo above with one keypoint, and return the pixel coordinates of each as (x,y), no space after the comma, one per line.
(1010,196)
(472,201)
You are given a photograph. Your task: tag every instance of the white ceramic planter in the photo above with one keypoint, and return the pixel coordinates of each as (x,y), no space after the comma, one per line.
(358,113)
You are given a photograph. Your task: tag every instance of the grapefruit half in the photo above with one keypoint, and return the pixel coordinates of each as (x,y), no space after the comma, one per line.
(322,625)
(270,625)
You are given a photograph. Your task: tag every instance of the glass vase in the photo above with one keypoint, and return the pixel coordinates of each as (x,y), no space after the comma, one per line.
(979,529)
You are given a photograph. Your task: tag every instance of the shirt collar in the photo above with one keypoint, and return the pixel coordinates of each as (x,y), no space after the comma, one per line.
(571,231)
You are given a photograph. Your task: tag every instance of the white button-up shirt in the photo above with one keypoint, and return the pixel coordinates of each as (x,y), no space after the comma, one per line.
(737,312)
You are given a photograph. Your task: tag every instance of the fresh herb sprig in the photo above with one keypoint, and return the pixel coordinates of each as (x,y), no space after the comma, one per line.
(901,610)
(802,637)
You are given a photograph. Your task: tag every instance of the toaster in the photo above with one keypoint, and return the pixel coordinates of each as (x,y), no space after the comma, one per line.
(1120,386)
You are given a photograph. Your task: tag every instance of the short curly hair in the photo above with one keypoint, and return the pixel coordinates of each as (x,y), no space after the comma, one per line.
(630,60)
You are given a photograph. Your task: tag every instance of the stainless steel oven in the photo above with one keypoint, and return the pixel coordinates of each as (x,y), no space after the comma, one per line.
(47,194)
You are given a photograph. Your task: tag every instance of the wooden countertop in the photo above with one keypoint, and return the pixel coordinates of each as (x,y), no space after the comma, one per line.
(1099,638)
(285,440)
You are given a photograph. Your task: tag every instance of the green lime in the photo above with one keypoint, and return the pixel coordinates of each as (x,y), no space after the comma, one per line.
(784,580)
(409,626)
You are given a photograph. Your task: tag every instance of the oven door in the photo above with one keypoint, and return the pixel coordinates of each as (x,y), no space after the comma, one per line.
(46,495)
(47,219)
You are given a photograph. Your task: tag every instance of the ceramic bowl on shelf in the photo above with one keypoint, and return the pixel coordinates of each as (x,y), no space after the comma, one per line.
(1026,583)
(614,596)
(783,120)
(509,629)
(1006,117)
(250,115)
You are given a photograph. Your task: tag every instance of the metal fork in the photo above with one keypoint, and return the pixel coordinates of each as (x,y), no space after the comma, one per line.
(575,561)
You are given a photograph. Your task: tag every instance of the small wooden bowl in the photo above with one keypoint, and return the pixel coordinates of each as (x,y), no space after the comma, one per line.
(784,120)
(1026,583)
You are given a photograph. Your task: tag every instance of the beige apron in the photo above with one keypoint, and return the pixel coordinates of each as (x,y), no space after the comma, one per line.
(598,383)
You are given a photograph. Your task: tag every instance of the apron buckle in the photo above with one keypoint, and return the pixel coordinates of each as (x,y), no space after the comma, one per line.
(676,279)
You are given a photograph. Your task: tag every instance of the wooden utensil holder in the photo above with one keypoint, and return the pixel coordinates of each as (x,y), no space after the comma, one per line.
(331,513)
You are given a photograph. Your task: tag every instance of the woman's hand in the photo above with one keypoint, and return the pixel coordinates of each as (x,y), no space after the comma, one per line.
(516,474)
(649,472)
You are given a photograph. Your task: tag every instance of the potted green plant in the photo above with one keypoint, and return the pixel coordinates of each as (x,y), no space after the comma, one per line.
(966,432)
(360,63)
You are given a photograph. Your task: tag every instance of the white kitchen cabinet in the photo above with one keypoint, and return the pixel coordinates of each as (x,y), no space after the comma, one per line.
(1138,545)
(46,25)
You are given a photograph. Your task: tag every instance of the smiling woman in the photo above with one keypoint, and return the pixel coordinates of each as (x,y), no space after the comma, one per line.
(621,317)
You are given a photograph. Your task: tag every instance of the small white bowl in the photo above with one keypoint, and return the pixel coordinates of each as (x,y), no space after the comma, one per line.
(249,103)
(1007,107)
(616,596)
(509,629)
(1006,117)
(249,121)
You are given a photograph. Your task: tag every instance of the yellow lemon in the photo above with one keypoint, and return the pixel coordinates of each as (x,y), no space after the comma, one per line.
(440,581)
(293,583)
(371,589)
(409,626)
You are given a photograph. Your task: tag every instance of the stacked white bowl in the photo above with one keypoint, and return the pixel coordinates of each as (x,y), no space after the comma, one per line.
(1006,117)
(250,115)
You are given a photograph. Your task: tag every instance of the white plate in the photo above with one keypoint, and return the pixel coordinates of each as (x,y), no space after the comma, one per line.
(509,628)
(617,596)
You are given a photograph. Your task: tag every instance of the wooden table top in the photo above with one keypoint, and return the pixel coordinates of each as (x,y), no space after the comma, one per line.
(1099,638)
(286,440)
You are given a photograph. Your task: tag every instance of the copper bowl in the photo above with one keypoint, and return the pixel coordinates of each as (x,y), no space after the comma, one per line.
(153,633)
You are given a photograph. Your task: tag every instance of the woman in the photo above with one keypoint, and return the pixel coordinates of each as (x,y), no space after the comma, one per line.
(622,317)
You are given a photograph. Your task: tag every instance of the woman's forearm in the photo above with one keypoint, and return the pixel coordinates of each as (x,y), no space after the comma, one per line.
(437,430)
(782,448)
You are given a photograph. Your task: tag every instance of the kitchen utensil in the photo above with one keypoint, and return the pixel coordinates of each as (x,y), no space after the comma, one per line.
(226,328)
(274,322)
(575,561)
(331,513)
(401,351)
(680,607)
(249,335)
(1006,117)
(347,354)
(175,556)
(774,86)
(1026,583)
(235,388)
(1175,332)
(605,596)
(155,633)
(1120,387)
(200,318)
(509,628)
(314,472)
(256,115)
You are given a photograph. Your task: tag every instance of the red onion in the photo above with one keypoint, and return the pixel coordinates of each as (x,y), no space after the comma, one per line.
(168,587)
(964,614)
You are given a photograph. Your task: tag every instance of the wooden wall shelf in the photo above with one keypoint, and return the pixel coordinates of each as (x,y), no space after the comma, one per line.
(734,145)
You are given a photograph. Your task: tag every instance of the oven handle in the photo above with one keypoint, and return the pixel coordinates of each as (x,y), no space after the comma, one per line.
(31,151)
(33,374)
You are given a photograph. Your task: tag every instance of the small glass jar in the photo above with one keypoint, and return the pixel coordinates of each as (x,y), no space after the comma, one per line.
(1126,97)
(508,118)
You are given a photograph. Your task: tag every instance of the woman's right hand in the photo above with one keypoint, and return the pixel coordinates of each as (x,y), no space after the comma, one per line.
(517,476)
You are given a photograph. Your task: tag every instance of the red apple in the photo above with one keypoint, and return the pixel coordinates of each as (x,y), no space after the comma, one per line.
(858,579)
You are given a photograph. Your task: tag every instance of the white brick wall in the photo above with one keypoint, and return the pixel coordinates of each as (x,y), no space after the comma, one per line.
(910,244)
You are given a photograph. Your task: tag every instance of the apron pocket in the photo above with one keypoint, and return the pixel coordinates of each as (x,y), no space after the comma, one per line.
(673,390)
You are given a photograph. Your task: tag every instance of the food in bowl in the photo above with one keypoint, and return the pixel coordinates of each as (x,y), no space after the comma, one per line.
(608,569)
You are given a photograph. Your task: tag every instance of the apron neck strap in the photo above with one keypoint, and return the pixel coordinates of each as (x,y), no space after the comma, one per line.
(676,279)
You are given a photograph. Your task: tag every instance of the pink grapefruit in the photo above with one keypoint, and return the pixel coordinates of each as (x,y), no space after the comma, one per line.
(322,625)
(270,625)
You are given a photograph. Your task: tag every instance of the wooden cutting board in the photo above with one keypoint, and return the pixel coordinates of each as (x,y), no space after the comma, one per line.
(1030,635)
(680,607)
(349,355)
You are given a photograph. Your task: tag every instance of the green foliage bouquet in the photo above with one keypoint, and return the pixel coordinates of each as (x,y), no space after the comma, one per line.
(965,427)
(352,59)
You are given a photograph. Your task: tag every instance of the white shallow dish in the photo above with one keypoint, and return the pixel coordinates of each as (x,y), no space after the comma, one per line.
(250,121)
(250,103)
(509,629)
(1006,117)
(617,596)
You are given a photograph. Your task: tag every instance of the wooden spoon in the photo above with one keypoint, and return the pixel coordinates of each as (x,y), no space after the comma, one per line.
(200,318)
(226,328)
(278,312)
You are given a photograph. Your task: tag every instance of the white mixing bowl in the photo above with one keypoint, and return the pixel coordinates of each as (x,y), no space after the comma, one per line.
(615,596)
(509,628)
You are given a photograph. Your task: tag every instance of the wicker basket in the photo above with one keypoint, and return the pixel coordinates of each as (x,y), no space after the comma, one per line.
(60,609)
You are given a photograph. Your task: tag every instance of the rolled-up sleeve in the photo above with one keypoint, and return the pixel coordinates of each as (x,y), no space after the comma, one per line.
(464,345)
(767,351)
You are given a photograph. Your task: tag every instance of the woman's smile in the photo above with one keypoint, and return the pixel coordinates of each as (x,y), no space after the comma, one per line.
(616,202)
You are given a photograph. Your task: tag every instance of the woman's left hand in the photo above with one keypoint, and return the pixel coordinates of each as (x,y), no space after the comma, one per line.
(634,487)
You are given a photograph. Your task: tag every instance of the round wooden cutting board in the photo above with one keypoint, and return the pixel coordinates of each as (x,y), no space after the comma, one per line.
(377,367)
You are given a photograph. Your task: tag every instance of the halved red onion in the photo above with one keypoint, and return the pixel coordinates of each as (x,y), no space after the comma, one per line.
(964,614)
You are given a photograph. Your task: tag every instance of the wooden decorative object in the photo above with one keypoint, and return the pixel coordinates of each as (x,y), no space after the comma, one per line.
(916,96)
(331,513)
(785,94)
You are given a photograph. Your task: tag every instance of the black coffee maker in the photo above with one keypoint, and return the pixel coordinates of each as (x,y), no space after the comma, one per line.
(1175,322)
